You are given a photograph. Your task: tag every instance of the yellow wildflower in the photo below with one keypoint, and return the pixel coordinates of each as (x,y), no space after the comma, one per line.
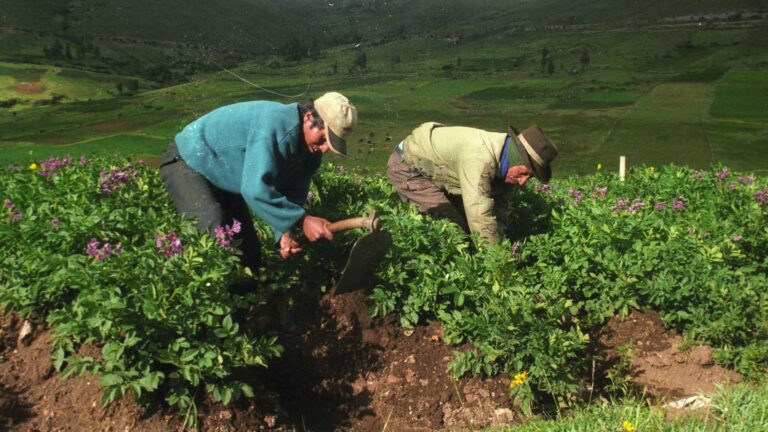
(518,379)
(628,426)
(33,166)
(599,166)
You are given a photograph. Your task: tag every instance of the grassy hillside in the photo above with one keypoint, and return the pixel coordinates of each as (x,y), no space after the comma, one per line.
(660,92)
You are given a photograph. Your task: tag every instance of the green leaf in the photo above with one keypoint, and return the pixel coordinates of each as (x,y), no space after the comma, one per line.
(110,380)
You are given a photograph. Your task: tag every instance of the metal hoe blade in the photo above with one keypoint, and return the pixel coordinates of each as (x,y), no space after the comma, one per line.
(365,255)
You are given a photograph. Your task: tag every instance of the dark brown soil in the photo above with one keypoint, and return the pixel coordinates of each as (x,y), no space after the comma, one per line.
(341,370)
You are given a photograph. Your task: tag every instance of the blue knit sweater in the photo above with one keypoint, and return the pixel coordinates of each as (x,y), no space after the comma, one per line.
(256,149)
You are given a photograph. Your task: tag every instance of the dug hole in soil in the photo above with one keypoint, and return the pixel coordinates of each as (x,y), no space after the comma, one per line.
(341,370)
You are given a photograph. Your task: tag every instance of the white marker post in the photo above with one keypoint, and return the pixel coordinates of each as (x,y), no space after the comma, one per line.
(622,167)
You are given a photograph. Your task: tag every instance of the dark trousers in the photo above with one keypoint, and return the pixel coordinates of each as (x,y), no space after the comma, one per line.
(197,198)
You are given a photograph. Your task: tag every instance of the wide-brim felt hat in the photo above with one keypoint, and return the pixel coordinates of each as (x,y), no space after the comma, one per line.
(340,118)
(537,149)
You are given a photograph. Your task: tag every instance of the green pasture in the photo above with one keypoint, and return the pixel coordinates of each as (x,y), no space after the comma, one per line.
(657,95)
(143,147)
(51,81)
(665,126)
(741,95)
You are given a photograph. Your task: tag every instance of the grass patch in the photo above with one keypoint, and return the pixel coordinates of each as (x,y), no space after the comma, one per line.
(657,131)
(142,146)
(742,95)
(23,73)
(701,76)
(503,93)
(587,104)
(741,408)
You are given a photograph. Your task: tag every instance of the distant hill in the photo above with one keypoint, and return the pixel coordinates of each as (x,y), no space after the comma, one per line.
(166,40)
(248,25)
(263,25)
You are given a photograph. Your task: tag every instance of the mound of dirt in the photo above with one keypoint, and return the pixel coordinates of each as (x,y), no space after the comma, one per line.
(341,370)
(662,366)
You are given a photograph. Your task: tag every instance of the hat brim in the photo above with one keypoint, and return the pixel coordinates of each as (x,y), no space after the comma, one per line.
(542,173)
(338,145)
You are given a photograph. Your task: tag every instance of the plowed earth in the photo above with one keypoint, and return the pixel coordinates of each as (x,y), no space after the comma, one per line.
(341,370)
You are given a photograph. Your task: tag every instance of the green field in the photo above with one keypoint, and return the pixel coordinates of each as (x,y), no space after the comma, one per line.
(656,94)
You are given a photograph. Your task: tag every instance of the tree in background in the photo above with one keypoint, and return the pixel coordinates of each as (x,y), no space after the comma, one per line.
(360,63)
(55,51)
(294,50)
(132,85)
(584,59)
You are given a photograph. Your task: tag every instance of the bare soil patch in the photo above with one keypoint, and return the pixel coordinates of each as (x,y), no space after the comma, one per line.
(30,87)
(663,367)
(341,370)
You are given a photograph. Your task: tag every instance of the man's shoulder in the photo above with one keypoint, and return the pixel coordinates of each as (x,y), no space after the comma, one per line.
(260,107)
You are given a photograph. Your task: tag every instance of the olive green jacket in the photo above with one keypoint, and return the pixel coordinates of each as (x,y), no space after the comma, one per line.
(464,161)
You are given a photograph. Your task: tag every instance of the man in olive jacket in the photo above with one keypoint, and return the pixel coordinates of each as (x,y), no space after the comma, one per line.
(447,169)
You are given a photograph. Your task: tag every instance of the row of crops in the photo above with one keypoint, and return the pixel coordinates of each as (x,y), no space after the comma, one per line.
(96,249)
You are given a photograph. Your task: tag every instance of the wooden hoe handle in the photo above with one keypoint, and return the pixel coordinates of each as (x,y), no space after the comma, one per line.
(370,222)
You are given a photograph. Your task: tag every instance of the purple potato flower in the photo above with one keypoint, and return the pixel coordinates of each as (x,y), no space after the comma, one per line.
(761,196)
(8,203)
(636,206)
(100,251)
(747,180)
(722,174)
(679,203)
(544,189)
(661,205)
(601,191)
(50,166)
(620,205)
(575,194)
(116,178)
(225,234)
(169,244)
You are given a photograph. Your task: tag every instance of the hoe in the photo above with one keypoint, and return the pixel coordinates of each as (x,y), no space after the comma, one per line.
(365,254)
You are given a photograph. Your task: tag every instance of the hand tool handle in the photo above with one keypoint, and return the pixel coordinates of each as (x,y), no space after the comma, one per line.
(371,223)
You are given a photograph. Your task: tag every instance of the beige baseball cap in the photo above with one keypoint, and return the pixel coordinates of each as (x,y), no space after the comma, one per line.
(340,118)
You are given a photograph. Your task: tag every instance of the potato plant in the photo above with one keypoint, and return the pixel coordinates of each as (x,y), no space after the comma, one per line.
(691,245)
(96,248)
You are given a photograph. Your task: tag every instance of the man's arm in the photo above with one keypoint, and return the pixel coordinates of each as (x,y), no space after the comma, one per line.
(475,180)
(258,188)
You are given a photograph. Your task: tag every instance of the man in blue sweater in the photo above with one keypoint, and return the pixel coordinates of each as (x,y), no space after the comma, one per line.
(258,157)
